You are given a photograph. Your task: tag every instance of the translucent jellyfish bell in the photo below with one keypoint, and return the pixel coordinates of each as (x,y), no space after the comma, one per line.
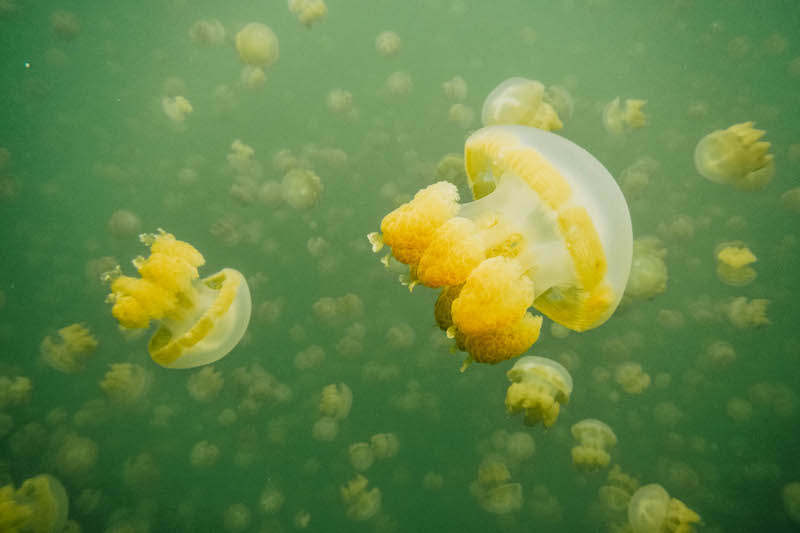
(520,101)
(593,221)
(647,509)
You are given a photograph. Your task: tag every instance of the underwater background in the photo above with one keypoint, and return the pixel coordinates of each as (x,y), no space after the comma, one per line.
(93,152)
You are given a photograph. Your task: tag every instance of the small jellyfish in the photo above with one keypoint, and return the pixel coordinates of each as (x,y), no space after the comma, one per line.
(539,386)
(201,320)
(126,383)
(209,32)
(746,314)
(308,12)
(736,157)
(387,43)
(649,275)
(619,119)
(632,378)
(595,441)
(176,109)
(360,504)
(361,456)
(652,510)
(301,189)
(549,229)
(336,401)
(494,490)
(39,505)
(70,350)
(257,45)
(520,101)
(733,264)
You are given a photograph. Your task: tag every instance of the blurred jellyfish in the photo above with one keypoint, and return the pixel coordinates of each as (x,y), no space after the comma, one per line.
(384,445)
(790,200)
(736,157)
(387,43)
(176,109)
(40,505)
(325,429)
(632,378)
(595,441)
(455,89)
(739,409)
(205,384)
(236,517)
(336,401)
(747,314)
(618,119)
(257,45)
(64,25)
(361,457)
(519,446)
(124,224)
(400,336)
(70,350)
(791,501)
(433,481)
(301,189)
(360,504)
(399,83)
(461,115)
(538,387)
(520,101)
(253,77)
(733,263)
(308,12)
(140,472)
(649,274)
(76,456)
(493,489)
(652,510)
(311,357)
(270,501)
(208,32)
(126,383)
(204,454)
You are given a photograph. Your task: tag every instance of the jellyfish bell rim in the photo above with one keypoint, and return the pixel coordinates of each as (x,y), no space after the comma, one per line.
(215,332)
(592,187)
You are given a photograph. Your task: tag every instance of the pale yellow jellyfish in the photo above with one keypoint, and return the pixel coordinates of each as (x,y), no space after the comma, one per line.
(336,401)
(461,115)
(126,383)
(257,45)
(387,43)
(237,517)
(652,510)
(209,32)
(791,501)
(360,504)
(40,505)
(539,386)
(65,25)
(253,77)
(790,200)
(384,445)
(595,441)
(733,264)
(549,229)
(632,378)
(618,490)
(176,109)
(361,456)
(736,157)
(399,83)
(14,391)
(69,351)
(124,224)
(325,429)
(494,490)
(76,456)
(455,89)
(271,500)
(747,314)
(204,454)
(205,384)
(201,320)
(649,275)
(308,12)
(619,119)
(301,189)
(520,101)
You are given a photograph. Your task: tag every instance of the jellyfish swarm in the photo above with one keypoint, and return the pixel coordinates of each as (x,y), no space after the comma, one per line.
(549,228)
(201,320)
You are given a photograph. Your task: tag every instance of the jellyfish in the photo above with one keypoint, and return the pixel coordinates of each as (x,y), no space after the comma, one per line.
(649,274)
(539,386)
(735,157)
(361,456)
(124,224)
(360,504)
(595,441)
(455,89)
(176,109)
(618,119)
(520,101)
(201,320)
(76,456)
(632,378)
(39,505)
(325,429)
(549,228)
(204,454)
(791,501)
(652,510)
(271,500)
(733,264)
(387,43)
(70,350)
(336,401)
(308,12)
(747,314)
(209,32)
(257,45)
(65,25)
(494,490)
(237,517)
(301,188)
(126,383)
(384,445)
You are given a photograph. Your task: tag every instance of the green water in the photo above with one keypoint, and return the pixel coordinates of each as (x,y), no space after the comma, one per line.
(82,119)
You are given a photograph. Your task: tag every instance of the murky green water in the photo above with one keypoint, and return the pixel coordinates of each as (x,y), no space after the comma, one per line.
(84,129)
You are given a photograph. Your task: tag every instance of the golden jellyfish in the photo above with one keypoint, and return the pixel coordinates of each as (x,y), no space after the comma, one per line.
(387,43)
(204,454)
(257,45)
(549,228)
(176,109)
(361,456)
(124,224)
(65,25)
(595,441)
(200,320)
(308,12)
(735,156)
(325,429)
(205,384)
(461,115)
(69,351)
(301,188)
(126,383)
(336,401)
(747,314)
(791,501)
(40,505)
(360,504)
(455,89)
(790,200)
(209,32)
(632,378)
(237,517)
(520,101)
(494,490)
(652,510)
(619,119)
(384,445)
(649,275)
(539,386)
(733,264)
